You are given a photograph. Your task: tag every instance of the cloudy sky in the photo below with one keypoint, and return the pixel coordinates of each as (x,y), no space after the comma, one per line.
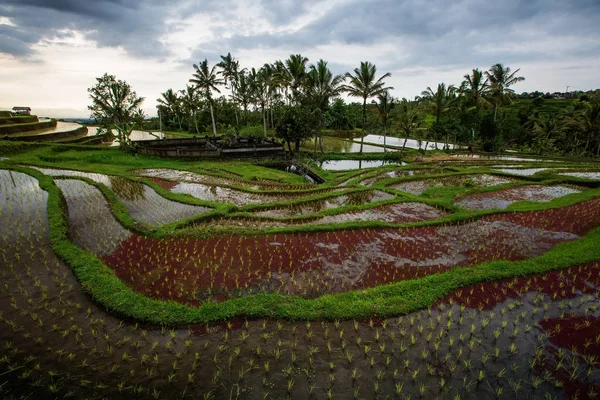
(51,50)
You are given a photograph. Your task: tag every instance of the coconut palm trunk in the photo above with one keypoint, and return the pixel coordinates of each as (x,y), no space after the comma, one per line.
(212,117)
(196,122)
(364,124)
(384,137)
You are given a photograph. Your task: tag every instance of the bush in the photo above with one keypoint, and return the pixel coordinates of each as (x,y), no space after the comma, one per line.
(256,131)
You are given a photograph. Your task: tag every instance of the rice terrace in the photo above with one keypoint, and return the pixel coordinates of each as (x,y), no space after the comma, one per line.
(283,242)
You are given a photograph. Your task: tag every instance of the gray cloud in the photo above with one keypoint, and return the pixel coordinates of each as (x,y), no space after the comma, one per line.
(437,33)
(432,34)
(135,25)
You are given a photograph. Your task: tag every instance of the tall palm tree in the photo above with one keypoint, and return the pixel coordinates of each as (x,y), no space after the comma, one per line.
(585,118)
(291,73)
(171,103)
(243,92)
(385,105)
(259,83)
(440,102)
(500,79)
(407,119)
(230,70)
(207,80)
(475,89)
(189,102)
(321,87)
(364,84)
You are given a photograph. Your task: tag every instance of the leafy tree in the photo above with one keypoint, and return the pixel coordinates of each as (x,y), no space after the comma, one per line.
(296,125)
(364,84)
(207,80)
(115,105)
(501,79)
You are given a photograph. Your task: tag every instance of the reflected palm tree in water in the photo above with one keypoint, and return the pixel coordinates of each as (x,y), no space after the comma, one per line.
(126,189)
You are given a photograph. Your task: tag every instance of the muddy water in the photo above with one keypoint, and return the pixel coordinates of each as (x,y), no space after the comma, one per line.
(22,204)
(313,264)
(402,174)
(64,343)
(400,142)
(142,202)
(503,198)
(352,199)
(187,176)
(91,223)
(343,165)
(587,175)
(418,187)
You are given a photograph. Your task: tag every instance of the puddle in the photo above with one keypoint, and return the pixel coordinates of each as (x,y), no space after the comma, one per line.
(335,145)
(399,142)
(504,158)
(418,187)
(403,173)
(344,165)
(22,204)
(393,213)
(218,194)
(142,202)
(91,223)
(503,198)
(187,176)
(522,172)
(595,175)
(352,199)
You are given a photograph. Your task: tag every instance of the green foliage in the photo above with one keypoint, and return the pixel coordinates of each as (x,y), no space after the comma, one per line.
(296,125)
(116,106)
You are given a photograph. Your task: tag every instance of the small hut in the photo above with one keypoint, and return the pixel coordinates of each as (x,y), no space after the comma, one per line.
(22,110)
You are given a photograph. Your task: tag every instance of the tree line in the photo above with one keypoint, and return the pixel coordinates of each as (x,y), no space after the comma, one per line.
(296,100)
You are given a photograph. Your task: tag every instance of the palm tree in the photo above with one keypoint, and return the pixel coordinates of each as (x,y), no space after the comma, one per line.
(190,101)
(440,102)
(407,119)
(230,70)
(384,107)
(475,89)
(206,80)
(586,119)
(171,103)
(321,87)
(259,83)
(545,131)
(500,79)
(243,92)
(291,73)
(364,84)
